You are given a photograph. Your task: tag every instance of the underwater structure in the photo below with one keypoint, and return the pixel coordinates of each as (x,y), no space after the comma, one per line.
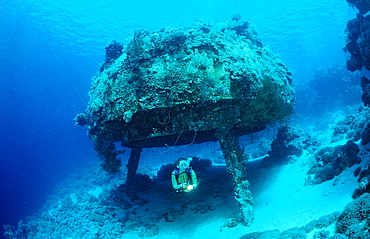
(196,84)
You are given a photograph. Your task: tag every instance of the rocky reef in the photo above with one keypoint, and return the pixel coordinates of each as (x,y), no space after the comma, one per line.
(358,36)
(332,88)
(317,227)
(358,42)
(362,5)
(288,144)
(332,161)
(182,86)
(354,220)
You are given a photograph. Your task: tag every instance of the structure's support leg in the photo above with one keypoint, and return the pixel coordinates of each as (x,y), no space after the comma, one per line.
(235,159)
(132,165)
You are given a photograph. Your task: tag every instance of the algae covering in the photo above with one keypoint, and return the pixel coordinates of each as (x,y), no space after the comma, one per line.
(189,85)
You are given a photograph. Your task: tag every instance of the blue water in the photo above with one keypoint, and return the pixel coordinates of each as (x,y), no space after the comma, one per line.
(50,50)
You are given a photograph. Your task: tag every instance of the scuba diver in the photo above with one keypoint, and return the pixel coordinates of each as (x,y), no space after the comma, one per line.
(183,177)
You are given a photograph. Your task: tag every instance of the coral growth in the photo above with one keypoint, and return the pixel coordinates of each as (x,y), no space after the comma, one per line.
(112,52)
(300,232)
(365,85)
(180,85)
(235,159)
(358,37)
(290,141)
(362,5)
(331,162)
(184,86)
(21,232)
(80,119)
(365,135)
(363,174)
(354,222)
(331,88)
(353,126)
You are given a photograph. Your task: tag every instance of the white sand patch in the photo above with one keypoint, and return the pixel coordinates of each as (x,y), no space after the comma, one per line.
(73,198)
(96,192)
(281,201)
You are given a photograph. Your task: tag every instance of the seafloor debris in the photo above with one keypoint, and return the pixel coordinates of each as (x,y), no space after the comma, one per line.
(182,86)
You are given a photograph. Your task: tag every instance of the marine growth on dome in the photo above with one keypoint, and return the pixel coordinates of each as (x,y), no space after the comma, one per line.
(187,85)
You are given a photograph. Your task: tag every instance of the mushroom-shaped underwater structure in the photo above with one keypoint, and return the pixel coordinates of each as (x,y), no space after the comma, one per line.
(190,85)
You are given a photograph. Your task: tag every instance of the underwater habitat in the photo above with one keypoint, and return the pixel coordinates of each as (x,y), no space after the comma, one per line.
(185,119)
